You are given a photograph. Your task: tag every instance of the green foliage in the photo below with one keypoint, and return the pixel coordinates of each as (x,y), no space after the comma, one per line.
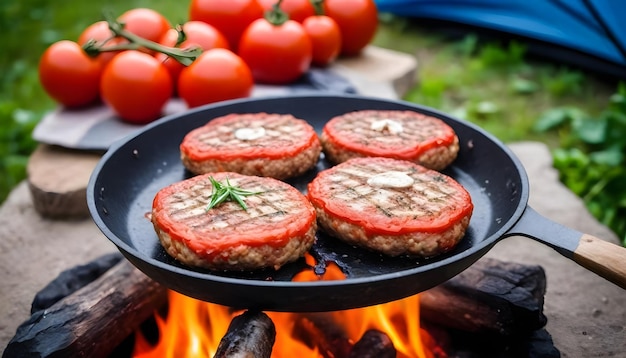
(591,158)
(16,145)
(495,84)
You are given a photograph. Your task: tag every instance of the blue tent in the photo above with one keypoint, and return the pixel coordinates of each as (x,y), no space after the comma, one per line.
(587,33)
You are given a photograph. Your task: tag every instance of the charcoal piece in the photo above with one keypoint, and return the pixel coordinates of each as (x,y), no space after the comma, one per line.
(321,330)
(71,280)
(374,344)
(251,334)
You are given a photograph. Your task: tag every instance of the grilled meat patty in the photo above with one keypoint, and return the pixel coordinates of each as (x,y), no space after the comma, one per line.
(406,135)
(273,145)
(278,226)
(391,206)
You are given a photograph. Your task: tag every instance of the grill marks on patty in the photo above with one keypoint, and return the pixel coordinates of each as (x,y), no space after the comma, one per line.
(406,135)
(425,216)
(278,227)
(380,196)
(268,207)
(278,131)
(274,145)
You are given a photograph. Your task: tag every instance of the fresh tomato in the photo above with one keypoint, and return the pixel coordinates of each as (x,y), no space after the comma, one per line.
(216,75)
(276,54)
(298,10)
(69,75)
(325,37)
(230,17)
(136,86)
(197,33)
(200,33)
(144,22)
(357,20)
(99,31)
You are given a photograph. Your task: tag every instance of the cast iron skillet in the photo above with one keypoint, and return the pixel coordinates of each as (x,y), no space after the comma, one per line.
(123,184)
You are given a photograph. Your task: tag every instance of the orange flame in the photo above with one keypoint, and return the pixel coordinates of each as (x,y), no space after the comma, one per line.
(194,328)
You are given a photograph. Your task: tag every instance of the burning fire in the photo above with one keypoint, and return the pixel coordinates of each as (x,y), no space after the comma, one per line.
(195,328)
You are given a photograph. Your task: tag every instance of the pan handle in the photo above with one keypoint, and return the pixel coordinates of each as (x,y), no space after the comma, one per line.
(599,256)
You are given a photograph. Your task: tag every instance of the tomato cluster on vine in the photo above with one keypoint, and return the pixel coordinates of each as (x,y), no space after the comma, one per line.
(138,61)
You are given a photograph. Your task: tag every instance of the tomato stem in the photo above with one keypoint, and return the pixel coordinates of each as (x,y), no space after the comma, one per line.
(318,6)
(276,16)
(184,56)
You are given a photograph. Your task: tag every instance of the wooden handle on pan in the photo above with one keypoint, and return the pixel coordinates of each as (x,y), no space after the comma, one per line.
(602,257)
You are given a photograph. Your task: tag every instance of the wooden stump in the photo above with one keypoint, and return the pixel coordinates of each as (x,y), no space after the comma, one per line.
(57,179)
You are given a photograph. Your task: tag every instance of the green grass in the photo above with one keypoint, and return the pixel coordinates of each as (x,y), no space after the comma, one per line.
(496,84)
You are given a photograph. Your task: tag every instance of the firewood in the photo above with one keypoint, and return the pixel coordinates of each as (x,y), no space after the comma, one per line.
(374,344)
(92,321)
(490,297)
(250,335)
(321,330)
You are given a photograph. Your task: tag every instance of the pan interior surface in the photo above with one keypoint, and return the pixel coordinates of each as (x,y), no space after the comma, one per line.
(125,181)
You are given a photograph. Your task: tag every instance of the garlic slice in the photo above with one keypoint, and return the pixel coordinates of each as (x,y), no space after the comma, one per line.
(391,179)
(249,133)
(394,127)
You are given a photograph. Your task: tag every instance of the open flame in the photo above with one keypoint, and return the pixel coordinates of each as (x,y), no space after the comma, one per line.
(194,328)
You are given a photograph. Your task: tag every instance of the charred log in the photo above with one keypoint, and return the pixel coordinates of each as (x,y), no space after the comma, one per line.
(71,280)
(80,325)
(322,331)
(250,335)
(490,297)
(374,344)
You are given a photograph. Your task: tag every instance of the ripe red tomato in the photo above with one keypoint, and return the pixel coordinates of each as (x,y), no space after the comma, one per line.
(197,33)
(230,17)
(98,31)
(276,54)
(144,22)
(357,20)
(69,75)
(298,10)
(136,86)
(200,33)
(325,37)
(216,75)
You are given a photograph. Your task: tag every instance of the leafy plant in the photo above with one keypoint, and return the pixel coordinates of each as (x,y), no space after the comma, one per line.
(16,145)
(591,158)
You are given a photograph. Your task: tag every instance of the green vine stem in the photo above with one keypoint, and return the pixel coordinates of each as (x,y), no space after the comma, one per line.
(135,42)
(318,6)
(276,16)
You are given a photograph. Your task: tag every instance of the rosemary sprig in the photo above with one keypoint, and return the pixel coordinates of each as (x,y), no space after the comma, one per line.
(227,192)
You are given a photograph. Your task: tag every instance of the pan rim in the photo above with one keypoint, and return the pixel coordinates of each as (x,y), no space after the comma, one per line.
(127,249)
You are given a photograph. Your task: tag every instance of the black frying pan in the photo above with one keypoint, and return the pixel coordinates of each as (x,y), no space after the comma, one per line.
(123,184)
